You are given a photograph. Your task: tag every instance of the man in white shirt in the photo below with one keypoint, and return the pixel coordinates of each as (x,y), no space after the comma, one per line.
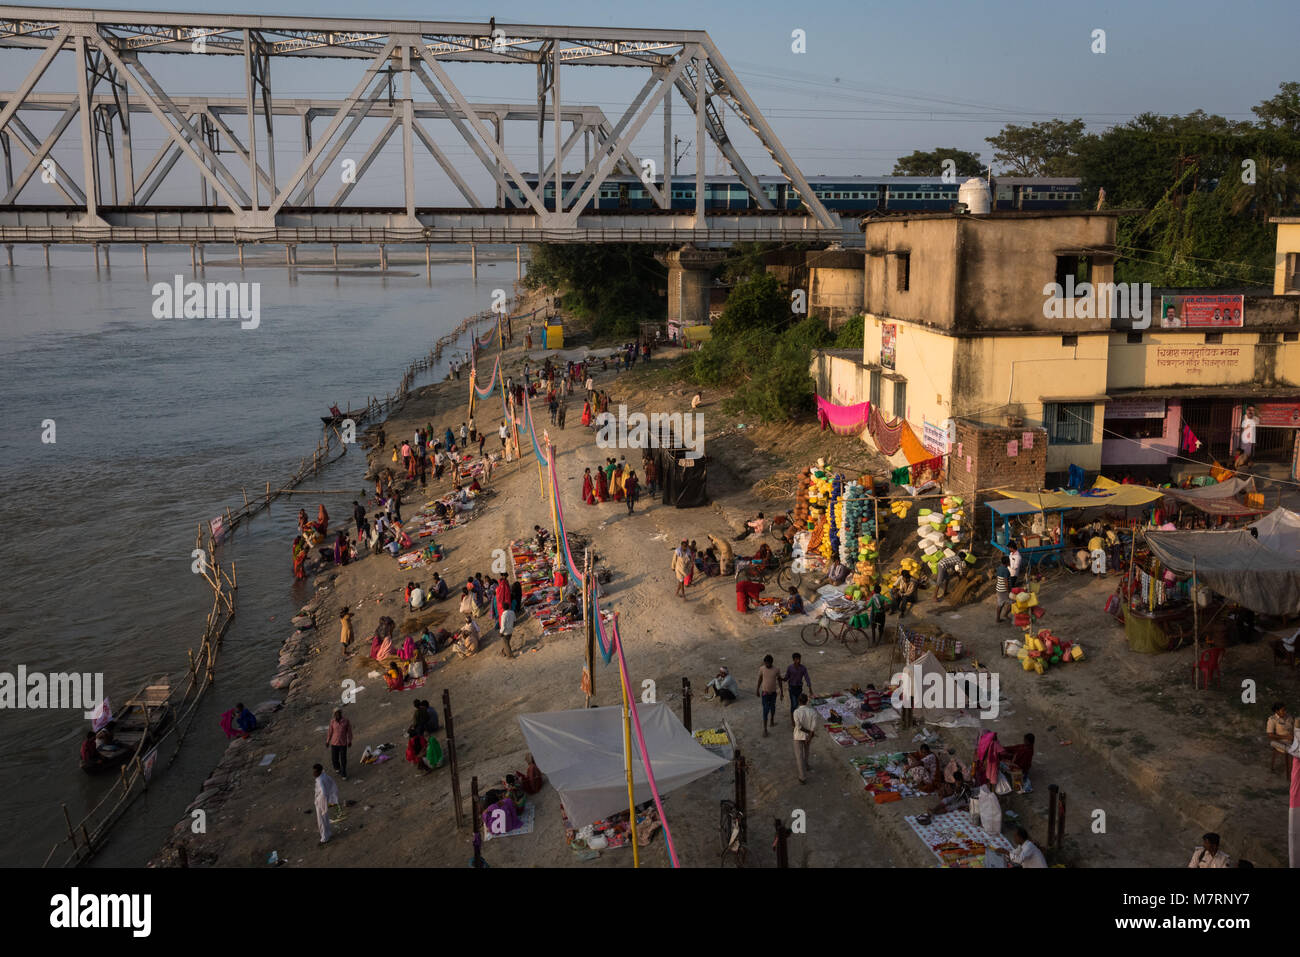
(1249,423)
(507,628)
(503,432)
(417,598)
(1208,854)
(1026,853)
(1015,560)
(805,726)
(327,793)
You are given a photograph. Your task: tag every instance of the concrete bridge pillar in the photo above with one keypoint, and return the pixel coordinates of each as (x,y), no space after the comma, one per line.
(690,282)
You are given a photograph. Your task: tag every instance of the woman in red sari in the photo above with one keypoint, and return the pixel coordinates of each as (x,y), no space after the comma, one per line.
(322,522)
(602,487)
(588,490)
(586,413)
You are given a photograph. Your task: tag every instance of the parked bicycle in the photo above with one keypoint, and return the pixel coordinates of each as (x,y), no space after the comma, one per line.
(817,633)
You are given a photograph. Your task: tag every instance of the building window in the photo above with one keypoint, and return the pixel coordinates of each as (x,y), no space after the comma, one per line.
(1290,336)
(1213,338)
(1135,338)
(1291,278)
(900,400)
(1068,423)
(875,389)
(904,277)
(1067,266)
(1069,341)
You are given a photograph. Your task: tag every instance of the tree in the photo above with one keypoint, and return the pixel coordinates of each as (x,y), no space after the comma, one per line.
(1040,149)
(615,285)
(921,163)
(1281,112)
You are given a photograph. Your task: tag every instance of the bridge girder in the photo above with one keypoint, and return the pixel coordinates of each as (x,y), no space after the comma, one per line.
(109,47)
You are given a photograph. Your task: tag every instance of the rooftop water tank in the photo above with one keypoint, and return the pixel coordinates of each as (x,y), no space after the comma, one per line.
(975,194)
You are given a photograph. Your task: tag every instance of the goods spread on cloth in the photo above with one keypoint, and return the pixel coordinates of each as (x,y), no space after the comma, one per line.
(956,840)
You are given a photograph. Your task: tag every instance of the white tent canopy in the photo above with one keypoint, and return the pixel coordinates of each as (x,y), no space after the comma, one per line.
(581,752)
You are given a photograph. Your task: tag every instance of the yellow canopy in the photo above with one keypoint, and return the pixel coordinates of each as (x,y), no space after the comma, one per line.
(697,333)
(1116,496)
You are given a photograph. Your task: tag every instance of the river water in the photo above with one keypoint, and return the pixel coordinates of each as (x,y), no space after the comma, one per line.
(158,423)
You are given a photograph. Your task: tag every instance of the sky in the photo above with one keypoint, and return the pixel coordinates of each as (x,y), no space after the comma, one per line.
(875,81)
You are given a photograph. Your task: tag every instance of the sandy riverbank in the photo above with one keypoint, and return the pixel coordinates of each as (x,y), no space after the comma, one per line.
(1103,733)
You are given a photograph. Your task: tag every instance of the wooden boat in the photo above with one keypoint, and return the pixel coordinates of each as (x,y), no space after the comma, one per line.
(333,419)
(136,726)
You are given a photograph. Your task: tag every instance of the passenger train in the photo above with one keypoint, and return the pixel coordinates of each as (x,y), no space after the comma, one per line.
(841,194)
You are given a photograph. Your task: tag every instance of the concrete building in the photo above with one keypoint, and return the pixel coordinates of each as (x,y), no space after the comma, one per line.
(1286,269)
(1013,319)
(830,278)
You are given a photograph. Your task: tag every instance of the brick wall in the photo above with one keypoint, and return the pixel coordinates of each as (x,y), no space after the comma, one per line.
(990,465)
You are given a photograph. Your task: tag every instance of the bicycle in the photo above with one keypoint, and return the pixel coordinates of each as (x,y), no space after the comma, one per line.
(816,633)
(1051,565)
(781,568)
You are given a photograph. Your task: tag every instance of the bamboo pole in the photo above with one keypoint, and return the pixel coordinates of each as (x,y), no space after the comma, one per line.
(1196,631)
(72,835)
(627,763)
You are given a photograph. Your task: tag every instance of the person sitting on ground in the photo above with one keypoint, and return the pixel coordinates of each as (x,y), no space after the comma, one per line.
(838,573)
(467,638)
(500,815)
(922,768)
(1021,756)
(794,602)
(438,590)
(957,795)
(417,598)
(755,562)
(245,719)
(394,677)
(1280,728)
(724,686)
(904,593)
(710,564)
(1026,853)
(530,780)
(1208,854)
(754,525)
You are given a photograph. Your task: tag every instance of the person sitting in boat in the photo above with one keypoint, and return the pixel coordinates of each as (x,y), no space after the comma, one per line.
(334,410)
(245,720)
(89,753)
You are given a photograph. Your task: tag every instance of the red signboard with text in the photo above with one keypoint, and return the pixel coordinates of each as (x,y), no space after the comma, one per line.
(1285,415)
(1201,312)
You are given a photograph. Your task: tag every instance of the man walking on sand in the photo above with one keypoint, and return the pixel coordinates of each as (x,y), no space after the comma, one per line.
(796,676)
(769,687)
(805,724)
(327,793)
(507,628)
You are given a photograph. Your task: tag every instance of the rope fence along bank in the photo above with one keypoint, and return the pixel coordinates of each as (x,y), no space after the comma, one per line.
(95,826)
(610,645)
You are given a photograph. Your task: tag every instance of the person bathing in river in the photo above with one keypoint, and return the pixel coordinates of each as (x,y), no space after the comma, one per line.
(303,522)
(322,523)
(300,552)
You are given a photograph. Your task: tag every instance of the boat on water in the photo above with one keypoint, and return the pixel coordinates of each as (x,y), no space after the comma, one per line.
(135,728)
(335,416)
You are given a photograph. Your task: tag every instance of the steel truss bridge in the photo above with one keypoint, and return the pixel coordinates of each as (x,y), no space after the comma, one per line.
(230,141)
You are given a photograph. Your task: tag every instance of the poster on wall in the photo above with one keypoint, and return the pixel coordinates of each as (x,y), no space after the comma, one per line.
(1201,312)
(887,332)
(1279,415)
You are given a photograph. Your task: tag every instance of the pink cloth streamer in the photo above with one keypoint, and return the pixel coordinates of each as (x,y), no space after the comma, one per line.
(843,419)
